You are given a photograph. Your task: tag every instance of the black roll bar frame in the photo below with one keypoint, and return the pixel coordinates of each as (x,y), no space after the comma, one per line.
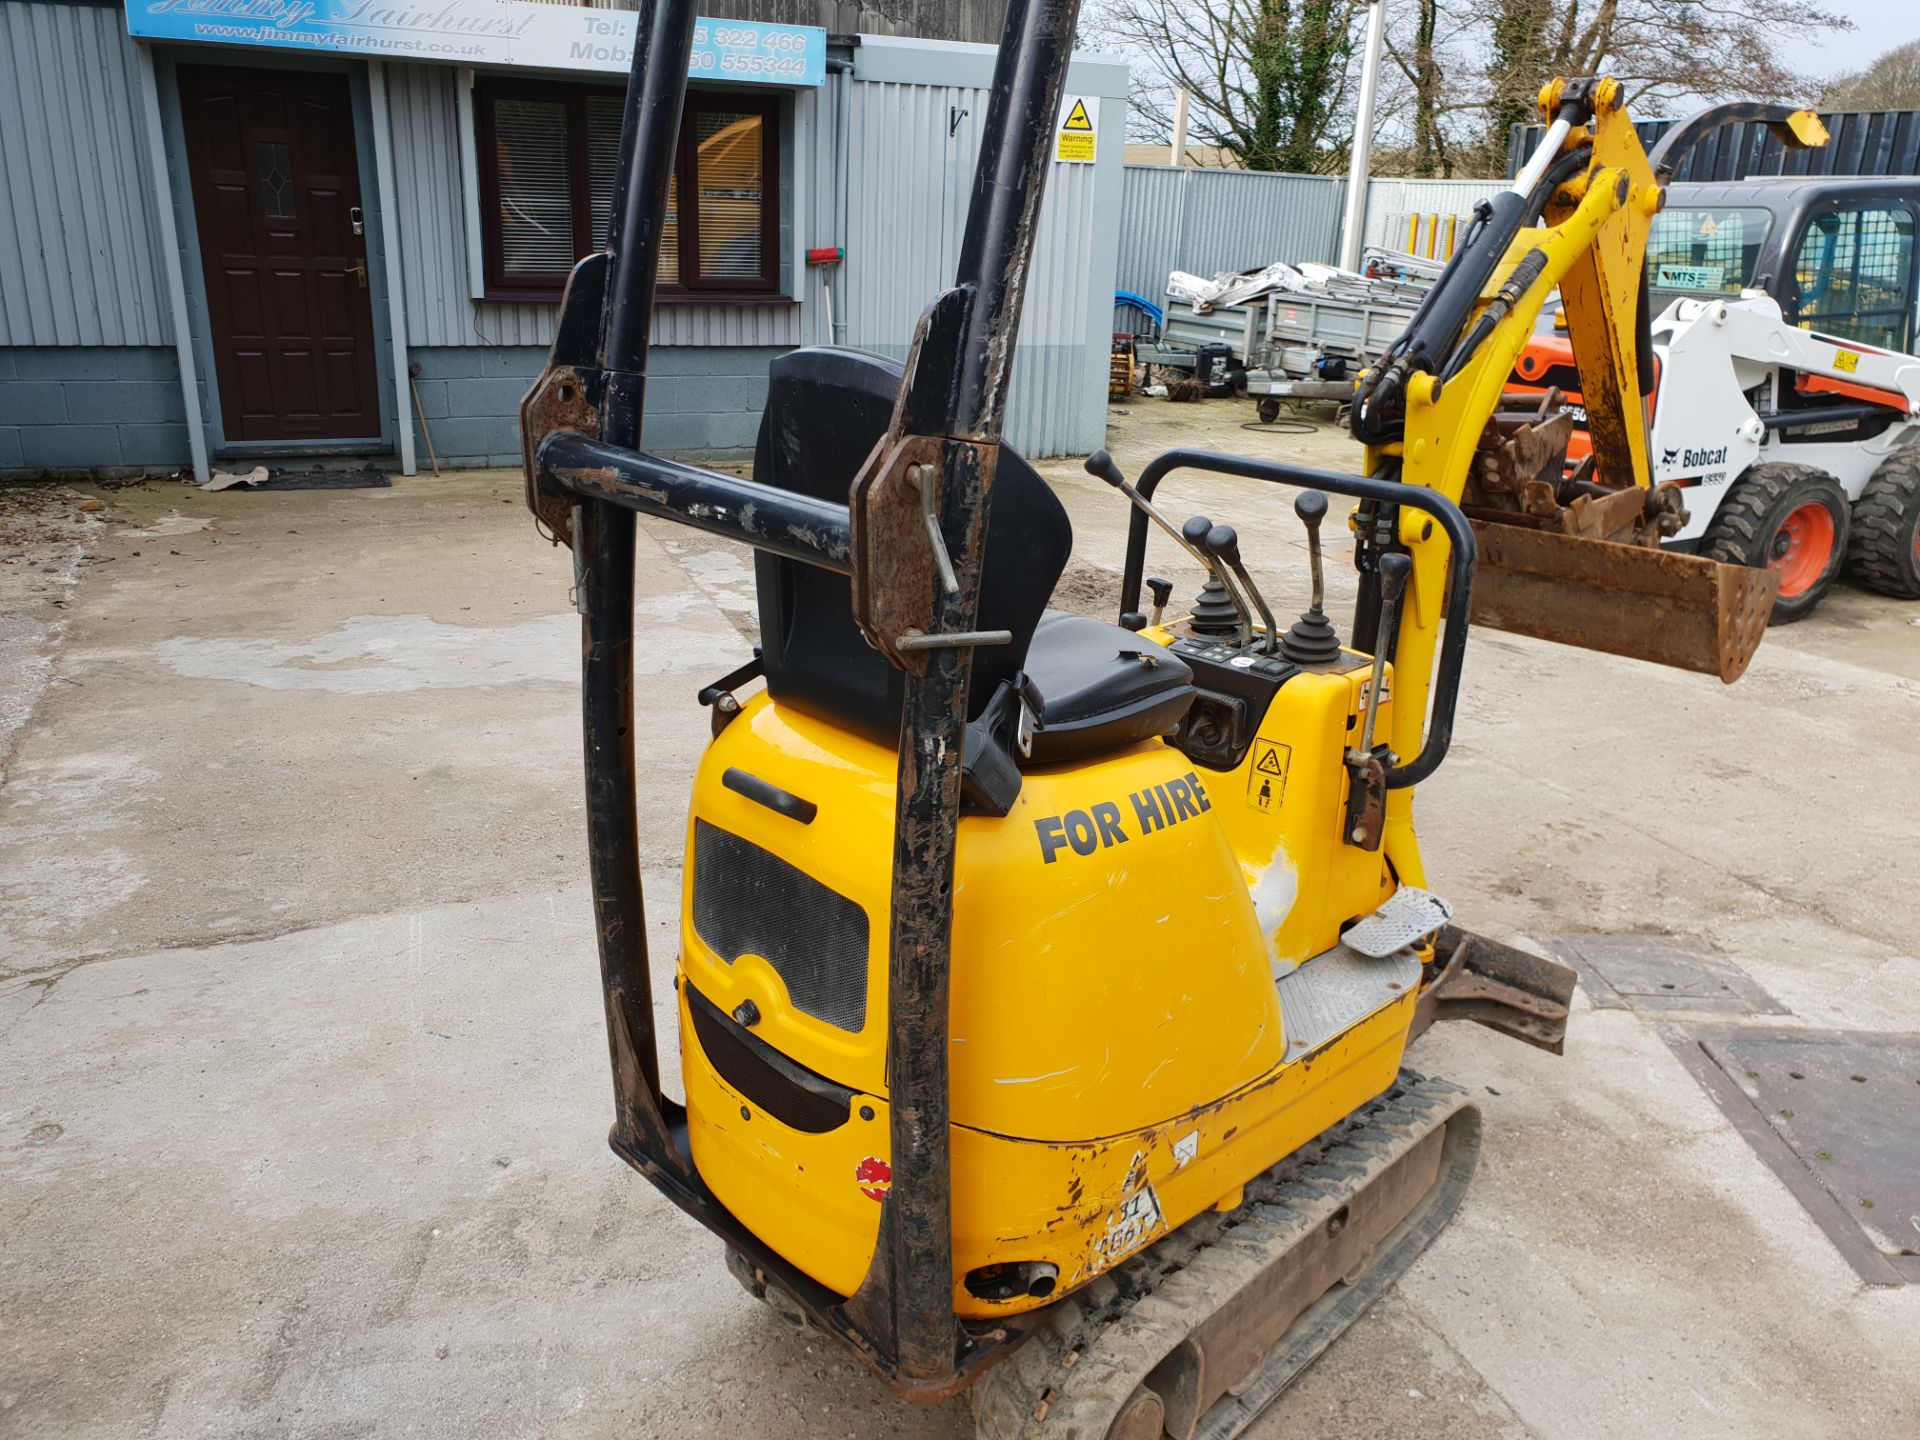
(587,482)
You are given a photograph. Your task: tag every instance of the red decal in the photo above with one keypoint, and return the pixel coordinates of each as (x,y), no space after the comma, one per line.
(874,1177)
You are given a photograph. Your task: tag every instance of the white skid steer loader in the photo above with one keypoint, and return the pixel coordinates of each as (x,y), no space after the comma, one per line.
(1795,449)
(1783,406)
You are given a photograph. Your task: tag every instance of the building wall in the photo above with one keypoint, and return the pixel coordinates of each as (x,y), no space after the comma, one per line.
(909,173)
(1392,204)
(79,251)
(81,266)
(82,406)
(977,20)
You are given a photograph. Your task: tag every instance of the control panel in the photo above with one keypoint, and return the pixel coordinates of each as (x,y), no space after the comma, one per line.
(1236,687)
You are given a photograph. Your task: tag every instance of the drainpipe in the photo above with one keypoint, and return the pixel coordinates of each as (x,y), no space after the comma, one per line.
(842,69)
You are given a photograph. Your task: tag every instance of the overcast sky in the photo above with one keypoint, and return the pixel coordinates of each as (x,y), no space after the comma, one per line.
(1879,25)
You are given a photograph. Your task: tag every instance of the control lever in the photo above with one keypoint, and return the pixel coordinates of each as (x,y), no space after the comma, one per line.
(1312,640)
(1219,610)
(1162,593)
(1100,465)
(1225,543)
(1209,611)
(1366,821)
(1394,569)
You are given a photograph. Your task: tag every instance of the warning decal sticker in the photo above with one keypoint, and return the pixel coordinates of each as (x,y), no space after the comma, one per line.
(1267,776)
(1078,135)
(1135,1220)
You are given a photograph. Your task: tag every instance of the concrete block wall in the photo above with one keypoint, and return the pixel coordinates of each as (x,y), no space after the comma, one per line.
(69,410)
(90,408)
(703,402)
(470,395)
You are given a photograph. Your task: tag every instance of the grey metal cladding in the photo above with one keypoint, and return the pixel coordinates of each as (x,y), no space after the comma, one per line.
(79,245)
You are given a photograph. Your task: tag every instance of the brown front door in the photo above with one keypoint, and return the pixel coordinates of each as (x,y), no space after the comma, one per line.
(276,194)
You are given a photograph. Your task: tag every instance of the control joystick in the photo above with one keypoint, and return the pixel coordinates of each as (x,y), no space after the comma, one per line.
(1214,612)
(1312,640)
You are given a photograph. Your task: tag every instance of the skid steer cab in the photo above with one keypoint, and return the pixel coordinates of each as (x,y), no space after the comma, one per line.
(1787,400)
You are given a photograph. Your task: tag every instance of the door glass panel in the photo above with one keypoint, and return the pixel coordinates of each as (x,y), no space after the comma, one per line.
(1853,277)
(536,196)
(275,168)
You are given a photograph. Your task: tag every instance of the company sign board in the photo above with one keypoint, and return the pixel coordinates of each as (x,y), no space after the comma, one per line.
(484,32)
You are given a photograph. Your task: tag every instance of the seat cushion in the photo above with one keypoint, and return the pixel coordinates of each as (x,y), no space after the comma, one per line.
(1101,688)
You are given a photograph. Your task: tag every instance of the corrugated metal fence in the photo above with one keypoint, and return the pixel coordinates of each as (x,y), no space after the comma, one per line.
(1423,207)
(1204,221)
(1207,221)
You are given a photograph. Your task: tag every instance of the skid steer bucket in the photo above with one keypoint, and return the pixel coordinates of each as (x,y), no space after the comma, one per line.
(1631,600)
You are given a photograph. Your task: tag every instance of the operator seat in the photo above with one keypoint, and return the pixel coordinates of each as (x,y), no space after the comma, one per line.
(1099,688)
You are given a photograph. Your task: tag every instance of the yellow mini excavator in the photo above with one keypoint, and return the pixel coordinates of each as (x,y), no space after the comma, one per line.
(1044,983)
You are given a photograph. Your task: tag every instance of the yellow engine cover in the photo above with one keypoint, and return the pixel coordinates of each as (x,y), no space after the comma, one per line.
(1116,1034)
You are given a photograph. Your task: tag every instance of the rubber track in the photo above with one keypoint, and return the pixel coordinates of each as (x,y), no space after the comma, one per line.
(1874,552)
(1070,1378)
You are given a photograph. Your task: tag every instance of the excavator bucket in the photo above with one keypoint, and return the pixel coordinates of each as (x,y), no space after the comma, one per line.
(1631,600)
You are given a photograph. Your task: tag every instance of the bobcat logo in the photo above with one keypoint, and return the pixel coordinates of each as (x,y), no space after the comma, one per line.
(1667,457)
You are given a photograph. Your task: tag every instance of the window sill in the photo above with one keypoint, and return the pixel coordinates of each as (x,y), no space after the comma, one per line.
(677,300)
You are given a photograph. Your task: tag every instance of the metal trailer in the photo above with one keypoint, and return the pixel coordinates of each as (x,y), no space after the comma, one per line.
(1292,344)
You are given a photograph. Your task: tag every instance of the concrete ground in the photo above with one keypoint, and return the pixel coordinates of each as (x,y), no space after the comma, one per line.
(303,1083)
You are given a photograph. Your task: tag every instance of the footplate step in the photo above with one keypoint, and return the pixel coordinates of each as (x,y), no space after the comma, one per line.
(1408,918)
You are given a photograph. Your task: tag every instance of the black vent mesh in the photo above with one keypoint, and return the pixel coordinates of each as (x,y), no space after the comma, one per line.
(799,1099)
(748,902)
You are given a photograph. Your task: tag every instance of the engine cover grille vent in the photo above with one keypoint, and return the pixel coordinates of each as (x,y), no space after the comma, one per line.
(749,902)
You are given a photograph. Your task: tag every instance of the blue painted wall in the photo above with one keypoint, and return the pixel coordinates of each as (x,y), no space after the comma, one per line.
(90,407)
(111,409)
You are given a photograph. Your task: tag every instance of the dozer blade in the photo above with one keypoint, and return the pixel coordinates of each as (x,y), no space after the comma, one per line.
(1630,600)
(1498,986)
(1199,1333)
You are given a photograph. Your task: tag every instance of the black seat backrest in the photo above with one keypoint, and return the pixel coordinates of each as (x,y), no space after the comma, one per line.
(826,409)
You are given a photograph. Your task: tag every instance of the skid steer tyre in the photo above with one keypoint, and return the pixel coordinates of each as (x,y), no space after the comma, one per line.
(1791,519)
(1885,550)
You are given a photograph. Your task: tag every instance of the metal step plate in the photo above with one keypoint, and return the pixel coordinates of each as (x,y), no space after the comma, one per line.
(1336,990)
(1407,918)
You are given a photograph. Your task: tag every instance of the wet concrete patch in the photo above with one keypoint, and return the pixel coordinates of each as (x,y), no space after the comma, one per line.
(1662,973)
(1836,1115)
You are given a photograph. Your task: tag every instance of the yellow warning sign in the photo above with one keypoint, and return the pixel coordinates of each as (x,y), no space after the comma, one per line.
(1078,135)
(1709,226)
(1847,360)
(1267,776)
